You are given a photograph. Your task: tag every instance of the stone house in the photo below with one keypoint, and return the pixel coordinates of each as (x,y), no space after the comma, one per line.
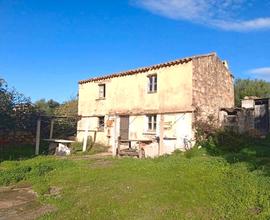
(154,103)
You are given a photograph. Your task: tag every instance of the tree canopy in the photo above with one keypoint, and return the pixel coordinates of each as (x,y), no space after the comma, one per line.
(250,87)
(47,107)
(16,110)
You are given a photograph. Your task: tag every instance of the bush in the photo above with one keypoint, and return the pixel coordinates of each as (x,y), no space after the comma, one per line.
(194,152)
(226,141)
(14,175)
(23,172)
(216,140)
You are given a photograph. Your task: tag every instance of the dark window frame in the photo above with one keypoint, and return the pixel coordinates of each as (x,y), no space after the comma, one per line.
(152,122)
(101,123)
(102,91)
(152,83)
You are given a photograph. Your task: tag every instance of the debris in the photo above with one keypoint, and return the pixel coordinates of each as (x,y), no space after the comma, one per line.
(62,150)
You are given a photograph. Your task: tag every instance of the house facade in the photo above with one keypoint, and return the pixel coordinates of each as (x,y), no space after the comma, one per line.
(155,101)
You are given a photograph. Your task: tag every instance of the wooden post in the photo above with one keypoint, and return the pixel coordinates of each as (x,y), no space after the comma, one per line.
(118,145)
(161,135)
(86,134)
(115,139)
(51,130)
(38,136)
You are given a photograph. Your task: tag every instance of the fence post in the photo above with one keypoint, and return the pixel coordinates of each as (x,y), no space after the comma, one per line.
(115,138)
(86,134)
(51,129)
(38,136)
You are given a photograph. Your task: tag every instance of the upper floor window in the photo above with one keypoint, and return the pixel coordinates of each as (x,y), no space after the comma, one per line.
(102,91)
(152,122)
(101,122)
(152,83)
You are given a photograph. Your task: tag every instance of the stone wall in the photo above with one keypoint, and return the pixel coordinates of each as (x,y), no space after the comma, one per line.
(241,121)
(212,85)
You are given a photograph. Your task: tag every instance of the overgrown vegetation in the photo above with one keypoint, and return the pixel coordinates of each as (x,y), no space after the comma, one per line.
(65,126)
(232,146)
(18,117)
(249,87)
(16,110)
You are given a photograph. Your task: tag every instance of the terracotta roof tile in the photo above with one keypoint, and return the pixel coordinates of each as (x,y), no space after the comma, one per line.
(145,69)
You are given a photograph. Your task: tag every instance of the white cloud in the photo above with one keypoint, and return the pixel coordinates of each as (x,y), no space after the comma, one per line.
(260,71)
(222,14)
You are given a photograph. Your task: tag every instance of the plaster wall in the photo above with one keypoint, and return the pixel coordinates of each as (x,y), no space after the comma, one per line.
(129,94)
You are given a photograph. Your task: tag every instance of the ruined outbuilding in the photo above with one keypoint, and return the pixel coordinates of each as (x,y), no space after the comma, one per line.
(153,107)
(252,117)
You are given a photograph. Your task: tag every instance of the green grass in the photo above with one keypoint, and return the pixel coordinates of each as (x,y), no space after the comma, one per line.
(193,185)
(92,148)
(21,152)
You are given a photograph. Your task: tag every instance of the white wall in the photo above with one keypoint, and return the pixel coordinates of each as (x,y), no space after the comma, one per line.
(176,128)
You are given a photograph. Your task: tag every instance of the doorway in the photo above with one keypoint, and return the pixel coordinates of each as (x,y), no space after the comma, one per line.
(124,127)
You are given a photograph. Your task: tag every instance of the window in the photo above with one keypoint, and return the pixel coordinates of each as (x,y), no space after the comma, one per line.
(101,121)
(152,83)
(102,91)
(152,122)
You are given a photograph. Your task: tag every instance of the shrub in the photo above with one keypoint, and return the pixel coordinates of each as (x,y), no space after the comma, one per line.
(216,140)
(194,152)
(14,175)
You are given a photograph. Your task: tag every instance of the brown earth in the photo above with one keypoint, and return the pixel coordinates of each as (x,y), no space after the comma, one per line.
(21,203)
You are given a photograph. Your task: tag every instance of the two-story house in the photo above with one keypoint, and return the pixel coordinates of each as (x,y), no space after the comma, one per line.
(155,101)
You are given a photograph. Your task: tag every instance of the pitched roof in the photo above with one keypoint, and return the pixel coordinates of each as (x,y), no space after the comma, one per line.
(145,69)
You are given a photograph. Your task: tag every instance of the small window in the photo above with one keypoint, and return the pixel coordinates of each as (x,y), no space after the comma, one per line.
(152,122)
(102,91)
(152,83)
(101,121)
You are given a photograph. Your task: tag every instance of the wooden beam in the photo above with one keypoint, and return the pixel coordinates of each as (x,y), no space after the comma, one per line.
(38,136)
(51,129)
(115,138)
(161,135)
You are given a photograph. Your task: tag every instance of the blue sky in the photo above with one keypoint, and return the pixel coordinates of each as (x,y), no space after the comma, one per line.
(47,46)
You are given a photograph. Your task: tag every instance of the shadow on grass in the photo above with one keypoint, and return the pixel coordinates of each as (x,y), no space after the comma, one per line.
(21,152)
(241,148)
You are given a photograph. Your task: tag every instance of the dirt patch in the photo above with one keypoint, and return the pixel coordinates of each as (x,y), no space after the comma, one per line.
(54,192)
(21,203)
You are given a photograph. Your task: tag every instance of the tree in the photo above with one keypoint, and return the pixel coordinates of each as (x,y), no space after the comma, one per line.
(65,127)
(46,107)
(16,110)
(249,87)
(6,106)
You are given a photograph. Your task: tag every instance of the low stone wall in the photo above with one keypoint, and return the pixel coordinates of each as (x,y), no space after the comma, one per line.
(241,121)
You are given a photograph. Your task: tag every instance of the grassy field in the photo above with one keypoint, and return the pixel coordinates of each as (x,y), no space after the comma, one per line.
(194,185)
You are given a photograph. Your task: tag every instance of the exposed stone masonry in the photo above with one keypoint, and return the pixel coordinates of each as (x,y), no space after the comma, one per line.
(212,85)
